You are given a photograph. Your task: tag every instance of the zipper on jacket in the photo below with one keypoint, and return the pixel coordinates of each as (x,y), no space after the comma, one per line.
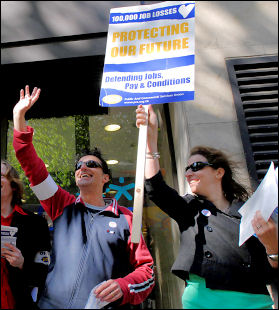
(85,253)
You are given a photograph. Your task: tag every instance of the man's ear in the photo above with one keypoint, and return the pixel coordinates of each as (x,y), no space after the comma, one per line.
(106,178)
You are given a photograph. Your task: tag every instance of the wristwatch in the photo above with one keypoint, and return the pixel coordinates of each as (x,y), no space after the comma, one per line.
(273,257)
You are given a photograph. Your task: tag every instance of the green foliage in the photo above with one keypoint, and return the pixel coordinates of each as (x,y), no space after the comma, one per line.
(54,141)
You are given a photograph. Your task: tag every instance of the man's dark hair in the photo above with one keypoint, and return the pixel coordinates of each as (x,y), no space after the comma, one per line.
(97,153)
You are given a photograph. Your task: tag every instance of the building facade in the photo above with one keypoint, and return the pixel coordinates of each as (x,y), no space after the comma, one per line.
(59,46)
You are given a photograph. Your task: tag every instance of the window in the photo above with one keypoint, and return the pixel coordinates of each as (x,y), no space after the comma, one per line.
(254,84)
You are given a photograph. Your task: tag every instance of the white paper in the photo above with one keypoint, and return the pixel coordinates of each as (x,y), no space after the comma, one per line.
(93,302)
(264,199)
(8,235)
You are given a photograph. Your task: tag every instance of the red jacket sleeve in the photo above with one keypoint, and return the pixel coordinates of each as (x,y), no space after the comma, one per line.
(137,285)
(35,170)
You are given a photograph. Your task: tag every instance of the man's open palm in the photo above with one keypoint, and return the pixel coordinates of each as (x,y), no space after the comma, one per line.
(26,101)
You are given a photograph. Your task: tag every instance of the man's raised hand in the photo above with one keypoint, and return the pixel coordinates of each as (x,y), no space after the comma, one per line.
(24,104)
(26,101)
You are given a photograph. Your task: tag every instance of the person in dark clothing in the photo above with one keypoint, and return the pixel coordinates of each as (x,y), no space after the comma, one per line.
(24,266)
(217,272)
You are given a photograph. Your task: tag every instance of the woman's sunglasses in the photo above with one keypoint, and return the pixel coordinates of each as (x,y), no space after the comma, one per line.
(89,164)
(196,166)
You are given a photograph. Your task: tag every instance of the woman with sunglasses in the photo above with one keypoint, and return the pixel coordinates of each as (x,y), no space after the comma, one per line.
(217,272)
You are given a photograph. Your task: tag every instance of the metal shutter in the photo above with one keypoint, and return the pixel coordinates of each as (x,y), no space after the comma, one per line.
(255,90)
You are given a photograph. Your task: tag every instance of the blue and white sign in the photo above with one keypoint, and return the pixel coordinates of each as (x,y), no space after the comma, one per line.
(149,55)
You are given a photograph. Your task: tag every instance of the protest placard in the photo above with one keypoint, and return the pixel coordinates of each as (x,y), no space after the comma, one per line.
(149,55)
(149,60)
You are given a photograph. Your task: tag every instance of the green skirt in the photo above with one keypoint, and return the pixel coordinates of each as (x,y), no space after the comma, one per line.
(197,296)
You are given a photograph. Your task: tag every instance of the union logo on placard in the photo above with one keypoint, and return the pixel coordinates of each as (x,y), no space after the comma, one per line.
(112,99)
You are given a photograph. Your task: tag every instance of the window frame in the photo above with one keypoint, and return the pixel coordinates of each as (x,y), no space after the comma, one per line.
(245,136)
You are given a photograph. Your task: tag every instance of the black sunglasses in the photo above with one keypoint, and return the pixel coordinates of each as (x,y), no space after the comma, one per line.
(196,166)
(89,164)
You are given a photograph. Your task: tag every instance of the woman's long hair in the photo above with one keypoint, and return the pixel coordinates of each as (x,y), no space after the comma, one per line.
(16,183)
(232,189)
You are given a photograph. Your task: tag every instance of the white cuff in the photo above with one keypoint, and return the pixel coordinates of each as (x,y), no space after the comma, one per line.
(46,189)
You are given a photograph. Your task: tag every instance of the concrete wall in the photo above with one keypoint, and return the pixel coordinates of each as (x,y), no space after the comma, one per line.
(223,29)
(33,20)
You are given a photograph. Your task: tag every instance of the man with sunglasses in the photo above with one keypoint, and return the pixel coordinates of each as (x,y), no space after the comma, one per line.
(92,235)
(217,272)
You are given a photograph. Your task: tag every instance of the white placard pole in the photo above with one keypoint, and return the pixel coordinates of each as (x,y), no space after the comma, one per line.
(139,182)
